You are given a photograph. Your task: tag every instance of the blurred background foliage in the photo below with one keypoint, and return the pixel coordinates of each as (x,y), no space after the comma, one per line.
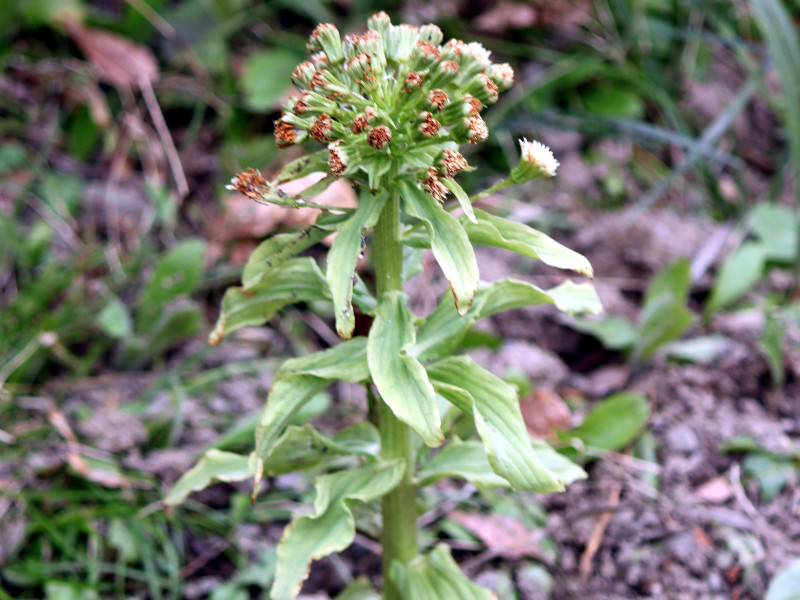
(120,123)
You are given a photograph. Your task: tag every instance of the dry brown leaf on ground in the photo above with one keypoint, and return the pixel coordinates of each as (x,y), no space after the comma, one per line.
(715,491)
(116,59)
(544,412)
(503,536)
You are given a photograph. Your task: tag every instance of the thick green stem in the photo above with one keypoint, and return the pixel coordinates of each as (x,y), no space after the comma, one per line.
(399,537)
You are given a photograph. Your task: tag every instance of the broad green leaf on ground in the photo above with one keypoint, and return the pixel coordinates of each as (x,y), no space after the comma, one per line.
(664,315)
(331,527)
(401,379)
(275,251)
(449,242)
(177,273)
(773,472)
(266,77)
(215,465)
(614,423)
(115,320)
(786,584)
(342,259)
(299,379)
(498,232)
(467,460)
(436,576)
(443,330)
(359,589)
(771,344)
(494,405)
(776,229)
(297,280)
(699,350)
(615,332)
(739,272)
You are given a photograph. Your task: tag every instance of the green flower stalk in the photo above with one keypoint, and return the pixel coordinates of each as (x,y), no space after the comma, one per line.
(389,109)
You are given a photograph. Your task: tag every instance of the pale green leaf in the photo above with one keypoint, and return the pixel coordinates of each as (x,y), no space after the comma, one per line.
(401,379)
(297,280)
(299,380)
(739,272)
(331,527)
(215,465)
(495,407)
(786,584)
(674,280)
(615,332)
(771,344)
(436,576)
(316,162)
(776,229)
(359,589)
(561,466)
(501,233)
(115,320)
(614,423)
(275,251)
(466,460)
(461,196)
(449,242)
(342,259)
(444,330)
(266,77)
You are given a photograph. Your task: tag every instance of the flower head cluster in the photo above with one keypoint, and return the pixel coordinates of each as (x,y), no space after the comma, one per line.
(392,101)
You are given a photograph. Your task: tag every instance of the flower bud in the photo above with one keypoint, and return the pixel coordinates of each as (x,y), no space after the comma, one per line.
(433,186)
(451,163)
(287,134)
(362,121)
(313,103)
(483,88)
(379,136)
(359,68)
(454,50)
(413,82)
(471,130)
(424,54)
(429,126)
(431,33)
(444,73)
(319,60)
(303,74)
(437,100)
(400,41)
(380,22)
(326,38)
(536,161)
(322,128)
(502,75)
(249,183)
(466,106)
(340,158)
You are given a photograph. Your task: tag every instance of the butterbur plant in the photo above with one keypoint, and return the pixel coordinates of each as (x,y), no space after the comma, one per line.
(392,107)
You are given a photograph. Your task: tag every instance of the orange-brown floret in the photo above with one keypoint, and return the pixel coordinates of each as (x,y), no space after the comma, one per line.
(379,136)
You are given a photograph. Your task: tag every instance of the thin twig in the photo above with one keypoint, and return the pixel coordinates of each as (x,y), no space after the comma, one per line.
(596,537)
(166,139)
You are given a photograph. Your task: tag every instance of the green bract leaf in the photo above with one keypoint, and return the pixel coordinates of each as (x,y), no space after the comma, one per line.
(449,242)
(401,379)
(331,528)
(213,466)
(343,257)
(614,422)
(443,330)
(461,196)
(502,233)
(275,251)
(461,459)
(297,280)
(495,407)
(299,380)
(436,577)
